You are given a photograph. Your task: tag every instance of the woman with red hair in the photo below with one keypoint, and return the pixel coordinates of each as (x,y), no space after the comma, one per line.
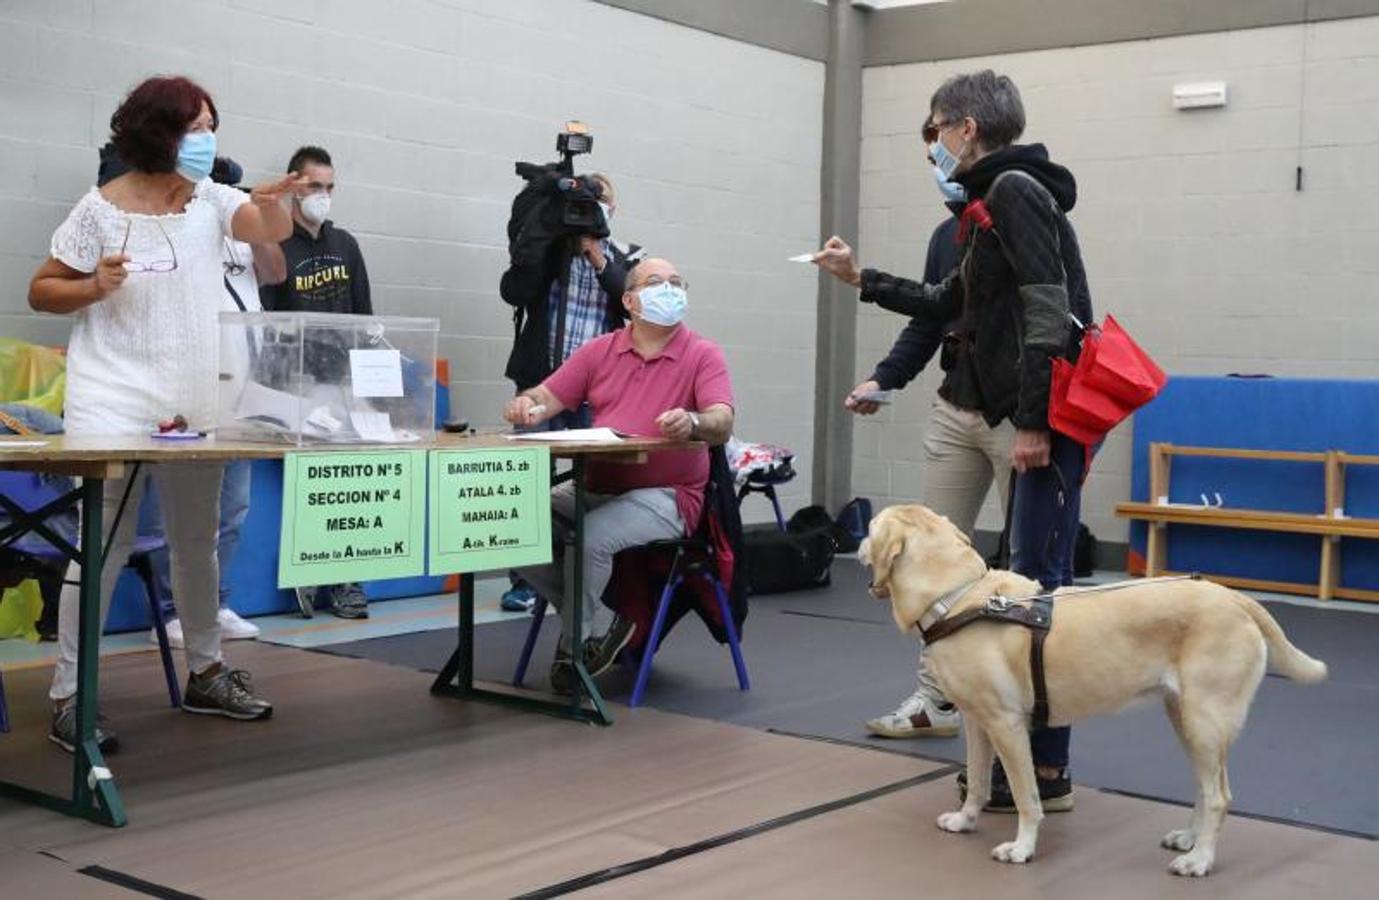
(137,265)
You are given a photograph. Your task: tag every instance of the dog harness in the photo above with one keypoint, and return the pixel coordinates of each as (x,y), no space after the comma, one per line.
(1037,616)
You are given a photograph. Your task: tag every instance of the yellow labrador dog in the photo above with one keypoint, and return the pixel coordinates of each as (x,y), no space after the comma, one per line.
(1199,646)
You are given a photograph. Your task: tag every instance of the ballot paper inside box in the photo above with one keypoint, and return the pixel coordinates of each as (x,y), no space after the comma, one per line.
(313,378)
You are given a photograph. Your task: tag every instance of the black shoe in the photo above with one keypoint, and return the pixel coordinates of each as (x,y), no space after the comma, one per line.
(563,677)
(1055,794)
(347,601)
(64,730)
(601,652)
(229,693)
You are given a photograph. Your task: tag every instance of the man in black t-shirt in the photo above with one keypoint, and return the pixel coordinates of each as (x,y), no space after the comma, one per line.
(325,273)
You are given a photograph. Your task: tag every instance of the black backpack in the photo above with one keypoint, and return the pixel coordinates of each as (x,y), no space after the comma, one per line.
(797,559)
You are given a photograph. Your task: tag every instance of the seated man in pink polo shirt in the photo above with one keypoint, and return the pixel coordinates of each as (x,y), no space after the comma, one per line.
(656,378)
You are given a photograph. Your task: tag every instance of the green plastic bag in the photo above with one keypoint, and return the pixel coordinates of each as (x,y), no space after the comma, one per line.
(19,611)
(33,375)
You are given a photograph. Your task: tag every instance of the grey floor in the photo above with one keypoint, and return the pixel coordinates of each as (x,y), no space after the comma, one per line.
(823,661)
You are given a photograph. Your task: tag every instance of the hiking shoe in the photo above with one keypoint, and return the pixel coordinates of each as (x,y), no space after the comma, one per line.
(347,601)
(64,730)
(1055,794)
(601,652)
(234,627)
(306,601)
(563,677)
(518,599)
(229,693)
(918,717)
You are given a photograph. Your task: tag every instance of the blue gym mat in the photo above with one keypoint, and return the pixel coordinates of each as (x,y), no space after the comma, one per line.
(824,661)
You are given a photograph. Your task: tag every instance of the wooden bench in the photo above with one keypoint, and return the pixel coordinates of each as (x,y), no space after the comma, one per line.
(1330,526)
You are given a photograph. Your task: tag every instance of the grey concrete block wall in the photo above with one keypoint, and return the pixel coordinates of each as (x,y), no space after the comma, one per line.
(425,104)
(1193,233)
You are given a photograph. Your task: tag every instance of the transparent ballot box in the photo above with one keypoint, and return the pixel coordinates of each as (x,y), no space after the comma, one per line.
(312,378)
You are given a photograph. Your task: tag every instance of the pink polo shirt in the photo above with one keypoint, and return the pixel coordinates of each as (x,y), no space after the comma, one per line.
(628,392)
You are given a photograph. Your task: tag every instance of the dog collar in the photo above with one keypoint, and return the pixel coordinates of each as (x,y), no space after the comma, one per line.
(935,613)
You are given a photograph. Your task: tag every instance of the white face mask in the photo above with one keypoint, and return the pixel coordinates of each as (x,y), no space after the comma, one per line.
(607,213)
(315,207)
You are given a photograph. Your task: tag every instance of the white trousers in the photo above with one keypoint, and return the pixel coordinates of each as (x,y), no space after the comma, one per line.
(189,494)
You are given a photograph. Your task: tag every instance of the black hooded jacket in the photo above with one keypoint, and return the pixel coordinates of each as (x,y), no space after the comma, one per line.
(1014,289)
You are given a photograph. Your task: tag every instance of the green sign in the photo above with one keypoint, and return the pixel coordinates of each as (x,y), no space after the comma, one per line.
(352,517)
(490,509)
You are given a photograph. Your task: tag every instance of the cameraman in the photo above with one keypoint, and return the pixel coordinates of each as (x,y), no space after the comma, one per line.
(569,304)
(559,308)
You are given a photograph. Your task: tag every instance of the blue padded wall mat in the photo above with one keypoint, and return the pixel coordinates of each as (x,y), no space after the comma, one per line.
(1261,414)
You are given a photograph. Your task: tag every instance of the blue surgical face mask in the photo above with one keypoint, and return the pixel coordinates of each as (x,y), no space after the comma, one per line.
(607,213)
(663,304)
(945,161)
(952,191)
(196,155)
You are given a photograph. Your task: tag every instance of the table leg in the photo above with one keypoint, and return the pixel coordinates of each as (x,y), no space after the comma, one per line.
(94,795)
(456,677)
(91,780)
(574,604)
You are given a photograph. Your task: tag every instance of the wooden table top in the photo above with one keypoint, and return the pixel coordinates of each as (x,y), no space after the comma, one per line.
(104,455)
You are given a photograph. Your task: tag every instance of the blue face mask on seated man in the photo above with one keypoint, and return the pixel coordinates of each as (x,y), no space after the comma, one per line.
(663,304)
(196,155)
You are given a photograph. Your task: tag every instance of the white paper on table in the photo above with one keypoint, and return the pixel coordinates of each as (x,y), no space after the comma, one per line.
(21,445)
(374,426)
(376,373)
(573,436)
(802,258)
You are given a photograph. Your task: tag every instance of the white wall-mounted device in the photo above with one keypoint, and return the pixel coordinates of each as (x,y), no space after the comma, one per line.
(1199,95)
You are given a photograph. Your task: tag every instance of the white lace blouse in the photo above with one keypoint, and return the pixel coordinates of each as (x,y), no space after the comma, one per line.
(150,349)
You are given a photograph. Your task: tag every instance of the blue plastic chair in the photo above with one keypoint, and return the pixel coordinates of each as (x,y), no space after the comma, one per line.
(694,556)
(30,492)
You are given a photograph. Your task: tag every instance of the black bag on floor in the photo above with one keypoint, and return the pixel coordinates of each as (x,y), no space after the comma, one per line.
(797,559)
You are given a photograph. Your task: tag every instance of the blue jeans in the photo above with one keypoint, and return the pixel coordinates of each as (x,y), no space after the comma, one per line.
(234,507)
(1043,529)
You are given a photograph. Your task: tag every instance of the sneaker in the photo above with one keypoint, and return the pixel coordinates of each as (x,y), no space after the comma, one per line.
(235,628)
(347,601)
(1055,794)
(174,629)
(601,652)
(918,717)
(229,693)
(306,601)
(563,677)
(518,599)
(64,730)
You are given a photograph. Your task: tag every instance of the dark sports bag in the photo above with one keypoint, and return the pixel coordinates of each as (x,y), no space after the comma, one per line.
(853,521)
(797,559)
